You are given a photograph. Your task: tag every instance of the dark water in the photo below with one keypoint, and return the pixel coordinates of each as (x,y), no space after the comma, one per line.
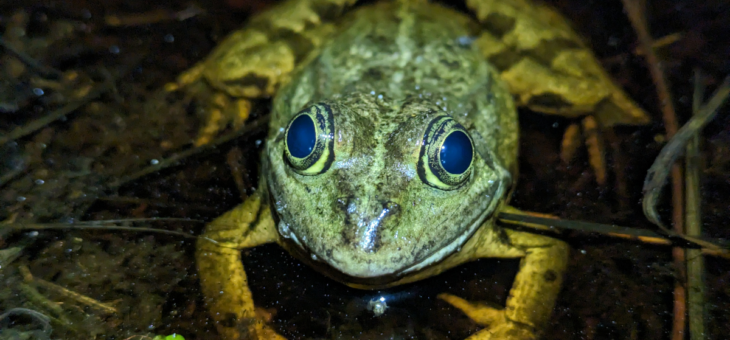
(66,172)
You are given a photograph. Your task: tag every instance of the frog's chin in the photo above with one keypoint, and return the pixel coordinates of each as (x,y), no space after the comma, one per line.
(369,276)
(370,280)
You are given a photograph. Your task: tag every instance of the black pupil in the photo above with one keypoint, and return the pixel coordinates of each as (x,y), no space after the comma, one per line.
(456,153)
(301,137)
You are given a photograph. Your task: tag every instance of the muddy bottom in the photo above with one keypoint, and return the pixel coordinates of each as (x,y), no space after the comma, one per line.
(114,57)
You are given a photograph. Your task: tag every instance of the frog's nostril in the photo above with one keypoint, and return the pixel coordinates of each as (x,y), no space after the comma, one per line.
(391,206)
(365,218)
(341,202)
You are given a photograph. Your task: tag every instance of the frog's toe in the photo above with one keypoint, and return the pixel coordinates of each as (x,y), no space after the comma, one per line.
(270,334)
(498,326)
(220,113)
(593,140)
(264,332)
(217,110)
(481,314)
(213,124)
(504,331)
(257,330)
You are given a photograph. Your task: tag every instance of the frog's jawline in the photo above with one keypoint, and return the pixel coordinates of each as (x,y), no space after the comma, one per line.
(389,280)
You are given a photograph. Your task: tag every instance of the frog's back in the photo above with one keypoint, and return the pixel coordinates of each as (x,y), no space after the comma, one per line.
(401,48)
(369,203)
(395,50)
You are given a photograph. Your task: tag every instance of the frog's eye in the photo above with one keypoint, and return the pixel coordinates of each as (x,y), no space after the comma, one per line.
(301,136)
(447,154)
(309,140)
(456,153)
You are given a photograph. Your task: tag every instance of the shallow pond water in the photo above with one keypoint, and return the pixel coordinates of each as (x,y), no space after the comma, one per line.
(69,170)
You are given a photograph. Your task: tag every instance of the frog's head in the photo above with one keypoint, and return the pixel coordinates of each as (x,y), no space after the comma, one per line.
(374,190)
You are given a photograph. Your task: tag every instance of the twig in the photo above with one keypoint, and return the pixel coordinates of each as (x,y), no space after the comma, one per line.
(104,225)
(550,224)
(57,114)
(35,298)
(635,11)
(45,71)
(176,158)
(695,261)
(7,177)
(43,319)
(657,174)
(156,203)
(71,107)
(152,17)
(100,307)
(8,255)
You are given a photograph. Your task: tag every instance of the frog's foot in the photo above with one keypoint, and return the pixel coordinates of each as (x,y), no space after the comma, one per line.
(221,113)
(218,110)
(222,277)
(499,326)
(592,138)
(254,328)
(549,69)
(257,329)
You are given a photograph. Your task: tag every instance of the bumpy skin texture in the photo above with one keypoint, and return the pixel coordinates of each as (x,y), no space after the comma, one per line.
(378,78)
(547,65)
(370,215)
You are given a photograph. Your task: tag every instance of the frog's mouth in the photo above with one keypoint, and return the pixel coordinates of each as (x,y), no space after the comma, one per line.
(290,241)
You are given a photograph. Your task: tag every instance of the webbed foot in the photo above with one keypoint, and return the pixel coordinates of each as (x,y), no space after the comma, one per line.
(218,110)
(496,321)
(549,69)
(592,138)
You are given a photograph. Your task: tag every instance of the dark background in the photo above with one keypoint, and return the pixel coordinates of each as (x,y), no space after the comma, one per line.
(65,171)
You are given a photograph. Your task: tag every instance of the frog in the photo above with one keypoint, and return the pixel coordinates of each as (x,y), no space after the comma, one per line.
(392,146)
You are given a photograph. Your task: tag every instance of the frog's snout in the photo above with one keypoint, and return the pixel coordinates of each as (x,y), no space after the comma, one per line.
(365,219)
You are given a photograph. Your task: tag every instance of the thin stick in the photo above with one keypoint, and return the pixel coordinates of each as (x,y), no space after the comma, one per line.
(99,306)
(7,177)
(103,225)
(99,226)
(39,123)
(695,261)
(43,319)
(156,203)
(546,223)
(176,158)
(657,174)
(635,11)
(46,71)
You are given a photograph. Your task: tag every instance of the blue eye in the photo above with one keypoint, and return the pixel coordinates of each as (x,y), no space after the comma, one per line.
(309,144)
(301,137)
(456,153)
(447,154)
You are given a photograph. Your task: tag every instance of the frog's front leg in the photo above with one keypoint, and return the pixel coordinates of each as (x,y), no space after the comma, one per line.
(533,294)
(255,61)
(222,277)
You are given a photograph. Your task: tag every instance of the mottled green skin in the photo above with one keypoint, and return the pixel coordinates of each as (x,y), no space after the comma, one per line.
(392,68)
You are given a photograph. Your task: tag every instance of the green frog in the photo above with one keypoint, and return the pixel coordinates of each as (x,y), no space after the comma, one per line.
(392,145)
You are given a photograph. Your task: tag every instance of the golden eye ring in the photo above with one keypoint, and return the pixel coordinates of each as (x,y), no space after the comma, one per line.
(309,140)
(447,154)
